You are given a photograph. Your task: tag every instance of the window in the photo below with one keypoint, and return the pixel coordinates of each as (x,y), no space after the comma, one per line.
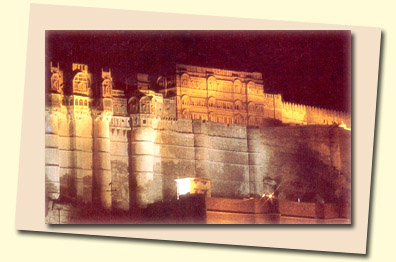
(251,87)
(186,100)
(55,82)
(237,86)
(145,105)
(107,85)
(185,79)
(212,102)
(80,83)
(212,83)
(251,107)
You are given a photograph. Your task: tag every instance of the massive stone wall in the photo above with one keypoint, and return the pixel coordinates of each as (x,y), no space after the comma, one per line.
(305,159)
(116,151)
(144,162)
(240,161)
(119,157)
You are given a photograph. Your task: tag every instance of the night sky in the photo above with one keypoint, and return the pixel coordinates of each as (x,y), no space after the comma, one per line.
(307,67)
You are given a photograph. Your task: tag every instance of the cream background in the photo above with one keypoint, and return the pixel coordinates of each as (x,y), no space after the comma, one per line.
(14,21)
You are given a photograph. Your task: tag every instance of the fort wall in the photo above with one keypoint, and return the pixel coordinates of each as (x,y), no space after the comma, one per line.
(118,151)
(309,115)
(240,161)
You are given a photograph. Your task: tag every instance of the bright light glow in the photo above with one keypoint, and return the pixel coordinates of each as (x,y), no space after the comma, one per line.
(342,125)
(183,186)
(269,195)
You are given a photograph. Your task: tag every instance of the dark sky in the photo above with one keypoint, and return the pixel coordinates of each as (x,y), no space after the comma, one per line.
(308,67)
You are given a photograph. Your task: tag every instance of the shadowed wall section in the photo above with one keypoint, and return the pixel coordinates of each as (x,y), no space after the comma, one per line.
(241,162)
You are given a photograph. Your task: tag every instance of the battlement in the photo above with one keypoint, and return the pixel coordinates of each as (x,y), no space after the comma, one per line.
(54,69)
(311,115)
(215,71)
(106,74)
(80,67)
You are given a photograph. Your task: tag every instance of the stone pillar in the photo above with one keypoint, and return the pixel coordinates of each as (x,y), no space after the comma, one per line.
(52,178)
(119,130)
(102,161)
(83,157)
(142,163)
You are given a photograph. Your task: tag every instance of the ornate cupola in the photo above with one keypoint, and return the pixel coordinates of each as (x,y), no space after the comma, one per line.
(56,85)
(81,79)
(107,84)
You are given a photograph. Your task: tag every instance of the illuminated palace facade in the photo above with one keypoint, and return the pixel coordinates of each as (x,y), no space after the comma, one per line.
(232,97)
(119,148)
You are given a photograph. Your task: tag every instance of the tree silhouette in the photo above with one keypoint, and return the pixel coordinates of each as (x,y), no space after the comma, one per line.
(314,180)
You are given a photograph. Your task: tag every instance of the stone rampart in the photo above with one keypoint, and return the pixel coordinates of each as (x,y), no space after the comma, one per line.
(240,161)
(309,115)
(139,166)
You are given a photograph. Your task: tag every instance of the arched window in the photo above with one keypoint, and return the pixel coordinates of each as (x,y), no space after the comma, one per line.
(107,85)
(251,87)
(238,119)
(251,107)
(237,86)
(238,105)
(186,114)
(80,83)
(55,82)
(212,83)
(185,100)
(133,105)
(212,102)
(185,80)
(85,103)
(81,102)
(145,105)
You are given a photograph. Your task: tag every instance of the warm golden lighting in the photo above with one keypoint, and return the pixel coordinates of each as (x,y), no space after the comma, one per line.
(189,185)
(183,186)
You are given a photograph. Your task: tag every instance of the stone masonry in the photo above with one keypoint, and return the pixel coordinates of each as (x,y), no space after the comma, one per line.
(118,149)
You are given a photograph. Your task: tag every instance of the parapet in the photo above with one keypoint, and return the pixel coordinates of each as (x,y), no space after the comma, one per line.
(311,115)
(215,71)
